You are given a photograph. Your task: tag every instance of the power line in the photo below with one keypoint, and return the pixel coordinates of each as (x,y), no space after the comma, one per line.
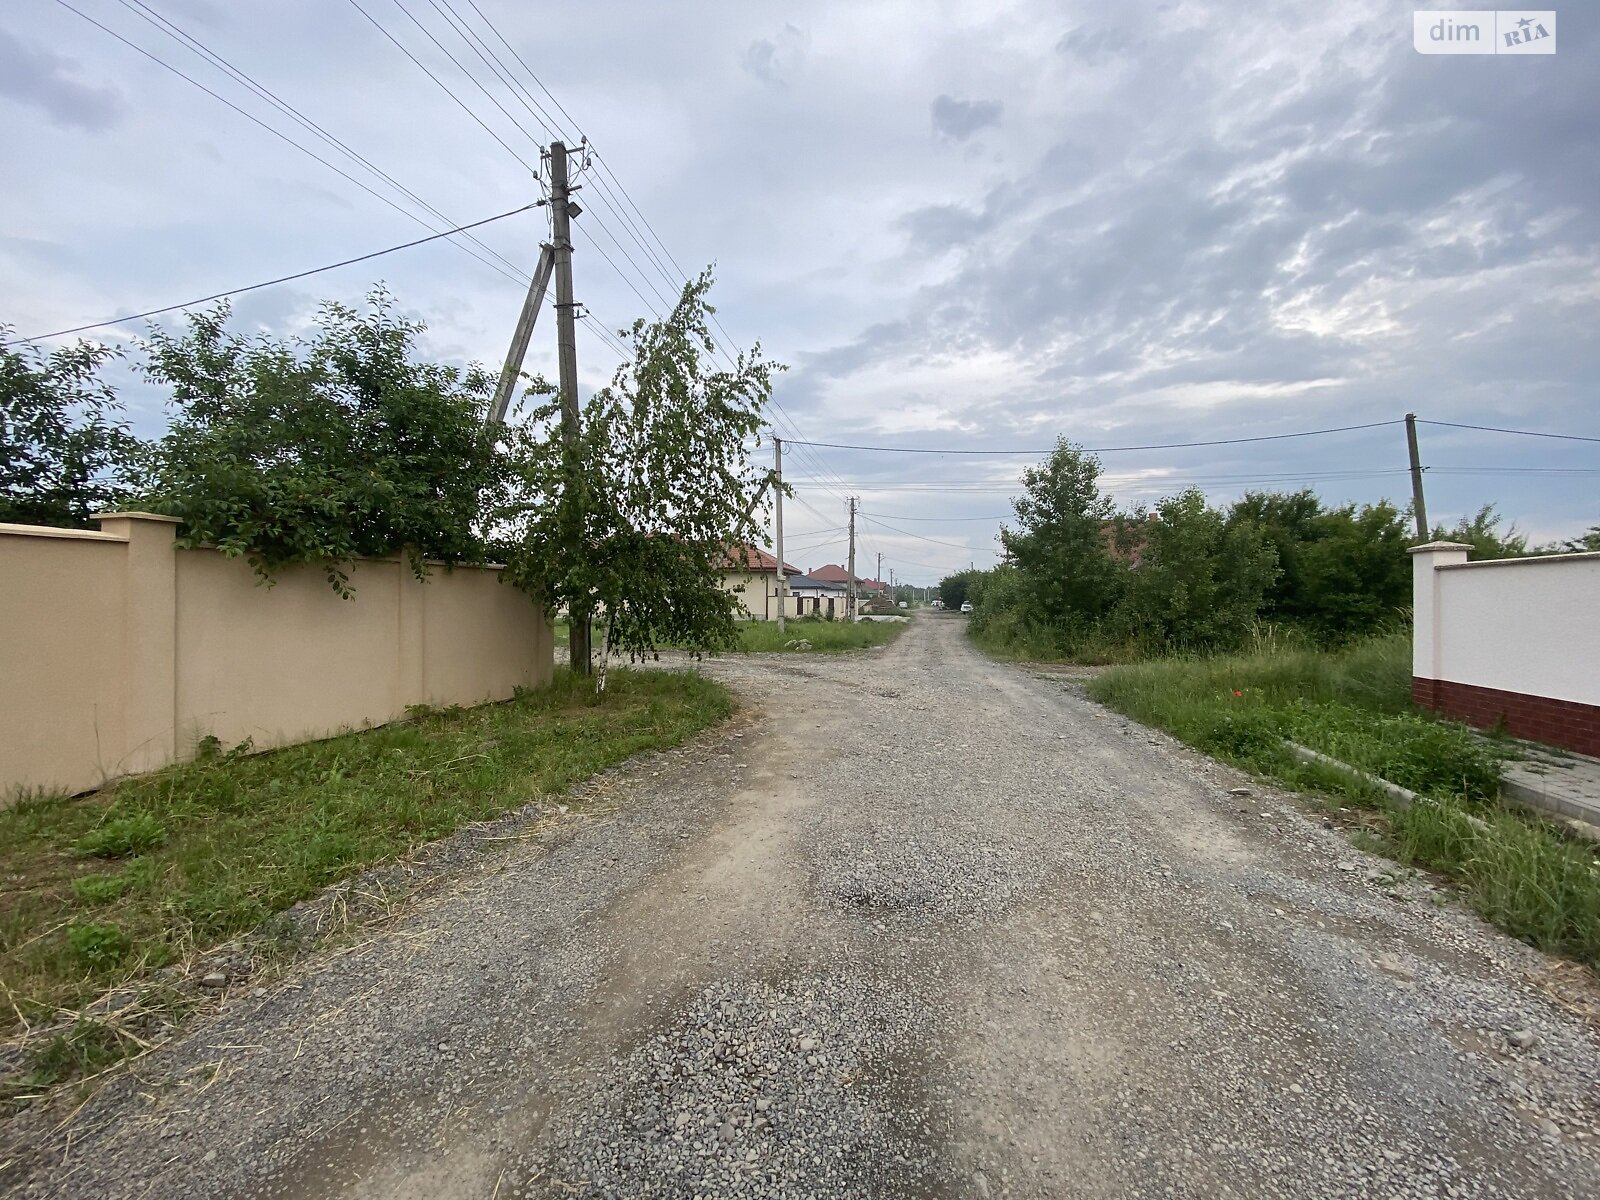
(444,86)
(239,291)
(902,517)
(603,168)
(1266,437)
(277,133)
(935,541)
(485,18)
(1566,437)
(166,26)
(503,74)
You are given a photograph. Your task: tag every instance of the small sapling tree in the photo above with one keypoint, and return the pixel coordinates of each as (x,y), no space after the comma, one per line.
(633,521)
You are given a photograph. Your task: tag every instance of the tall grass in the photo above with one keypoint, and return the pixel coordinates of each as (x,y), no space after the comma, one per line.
(823,636)
(1355,705)
(101,889)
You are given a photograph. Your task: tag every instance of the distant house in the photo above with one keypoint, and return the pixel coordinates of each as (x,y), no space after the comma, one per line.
(752,574)
(834,573)
(820,597)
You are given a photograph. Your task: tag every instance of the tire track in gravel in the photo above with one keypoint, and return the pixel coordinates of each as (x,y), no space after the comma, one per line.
(920,925)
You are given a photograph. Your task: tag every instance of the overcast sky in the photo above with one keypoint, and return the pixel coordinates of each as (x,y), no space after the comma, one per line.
(964,225)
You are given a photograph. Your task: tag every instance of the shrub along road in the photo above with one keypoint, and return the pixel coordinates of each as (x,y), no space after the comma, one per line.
(917,924)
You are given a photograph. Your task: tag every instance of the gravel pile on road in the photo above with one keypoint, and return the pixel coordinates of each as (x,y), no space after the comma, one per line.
(756,1090)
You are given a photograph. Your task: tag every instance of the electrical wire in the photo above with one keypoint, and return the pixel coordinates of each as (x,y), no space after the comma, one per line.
(1566,437)
(277,133)
(172,30)
(902,517)
(462,104)
(935,541)
(1266,437)
(239,291)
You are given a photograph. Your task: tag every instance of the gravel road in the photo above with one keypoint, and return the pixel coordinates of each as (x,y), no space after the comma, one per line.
(915,925)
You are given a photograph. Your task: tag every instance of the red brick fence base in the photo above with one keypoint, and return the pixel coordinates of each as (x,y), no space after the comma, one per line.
(1565,723)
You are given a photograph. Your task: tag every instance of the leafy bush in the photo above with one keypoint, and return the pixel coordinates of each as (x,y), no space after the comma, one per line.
(325,450)
(65,451)
(98,945)
(122,836)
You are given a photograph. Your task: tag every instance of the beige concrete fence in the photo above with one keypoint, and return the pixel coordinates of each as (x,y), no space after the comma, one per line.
(119,652)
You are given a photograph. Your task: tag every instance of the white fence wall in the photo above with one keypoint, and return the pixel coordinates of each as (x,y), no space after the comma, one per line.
(1512,640)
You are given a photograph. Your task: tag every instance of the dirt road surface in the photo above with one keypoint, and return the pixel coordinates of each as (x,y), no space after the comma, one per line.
(917,924)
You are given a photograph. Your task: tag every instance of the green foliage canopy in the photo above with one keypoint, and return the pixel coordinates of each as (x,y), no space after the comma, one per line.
(339,445)
(65,449)
(1061,543)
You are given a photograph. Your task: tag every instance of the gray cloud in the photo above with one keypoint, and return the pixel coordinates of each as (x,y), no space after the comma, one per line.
(45,80)
(960,119)
(1095,46)
(773,59)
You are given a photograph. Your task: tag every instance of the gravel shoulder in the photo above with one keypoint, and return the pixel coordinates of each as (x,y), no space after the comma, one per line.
(917,925)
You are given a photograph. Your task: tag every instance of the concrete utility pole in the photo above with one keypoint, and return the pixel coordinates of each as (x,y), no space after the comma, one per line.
(877,576)
(777,492)
(562,209)
(850,571)
(524,331)
(1416,478)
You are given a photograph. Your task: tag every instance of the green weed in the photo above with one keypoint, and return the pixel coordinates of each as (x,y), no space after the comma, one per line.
(226,841)
(1354,705)
(98,946)
(122,836)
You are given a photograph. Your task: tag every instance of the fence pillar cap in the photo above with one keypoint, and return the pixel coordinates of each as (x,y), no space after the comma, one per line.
(135,516)
(1431,547)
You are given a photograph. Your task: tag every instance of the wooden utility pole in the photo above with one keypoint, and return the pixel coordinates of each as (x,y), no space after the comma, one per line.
(777,492)
(520,336)
(850,571)
(1416,478)
(562,210)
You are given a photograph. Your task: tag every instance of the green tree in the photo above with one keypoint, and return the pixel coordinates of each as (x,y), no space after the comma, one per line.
(954,589)
(338,446)
(1288,522)
(633,521)
(1342,571)
(1588,542)
(1061,545)
(1482,532)
(1356,574)
(65,450)
(1201,579)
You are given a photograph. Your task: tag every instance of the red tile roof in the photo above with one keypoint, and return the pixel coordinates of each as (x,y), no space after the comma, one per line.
(834,573)
(755,560)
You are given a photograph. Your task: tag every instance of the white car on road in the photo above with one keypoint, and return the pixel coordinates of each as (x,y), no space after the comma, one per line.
(966,606)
